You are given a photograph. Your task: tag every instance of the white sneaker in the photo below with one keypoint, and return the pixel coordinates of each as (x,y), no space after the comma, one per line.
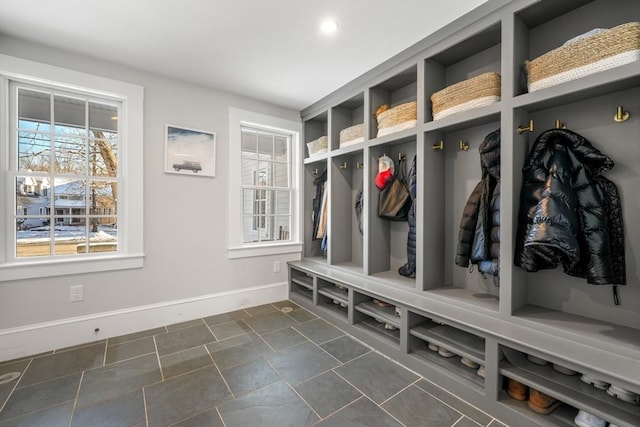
(563,369)
(536,360)
(433,347)
(623,394)
(599,384)
(469,363)
(585,419)
(445,353)
(481,371)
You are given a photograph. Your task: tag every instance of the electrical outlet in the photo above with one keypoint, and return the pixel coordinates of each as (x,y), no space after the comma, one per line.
(276,266)
(76,293)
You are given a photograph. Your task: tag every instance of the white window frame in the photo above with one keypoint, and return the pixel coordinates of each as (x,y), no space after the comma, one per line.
(236,248)
(130,253)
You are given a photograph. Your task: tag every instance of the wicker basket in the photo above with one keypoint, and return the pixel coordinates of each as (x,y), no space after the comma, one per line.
(318,146)
(352,135)
(395,119)
(466,95)
(602,51)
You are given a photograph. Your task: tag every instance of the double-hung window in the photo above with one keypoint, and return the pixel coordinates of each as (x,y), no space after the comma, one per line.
(68,155)
(264,185)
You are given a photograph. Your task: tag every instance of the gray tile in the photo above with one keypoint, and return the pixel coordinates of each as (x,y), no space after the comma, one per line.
(125,410)
(42,395)
(9,368)
(302,362)
(345,348)
(327,393)
(415,408)
(250,376)
(86,344)
(362,413)
(261,309)
(62,364)
(230,329)
(113,380)
(286,304)
(226,317)
(57,416)
(179,398)
(183,339)
(376,376)
(494,423)
(209,418)
(283,338)
(270,322)
(184,361)
(128,350)
(455,402)
(135,336)
(302,316)
(185,325)
(319,331)
(238,350)
(468,422)
(275,405)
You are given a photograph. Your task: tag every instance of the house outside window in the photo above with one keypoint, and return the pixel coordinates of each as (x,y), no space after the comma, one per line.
(265,192)
(68,148)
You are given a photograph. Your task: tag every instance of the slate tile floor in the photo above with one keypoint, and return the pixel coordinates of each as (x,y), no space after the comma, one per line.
(254,367)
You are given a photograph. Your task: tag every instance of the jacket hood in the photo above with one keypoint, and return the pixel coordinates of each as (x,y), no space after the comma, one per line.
(585,153)
(490,154)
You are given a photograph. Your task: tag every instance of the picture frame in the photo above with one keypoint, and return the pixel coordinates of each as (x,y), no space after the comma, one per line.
(189,151)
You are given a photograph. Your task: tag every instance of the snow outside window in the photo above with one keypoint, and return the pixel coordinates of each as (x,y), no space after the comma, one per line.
(66,147)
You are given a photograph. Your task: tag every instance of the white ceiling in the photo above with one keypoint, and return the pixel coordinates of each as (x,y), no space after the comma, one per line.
(270,50)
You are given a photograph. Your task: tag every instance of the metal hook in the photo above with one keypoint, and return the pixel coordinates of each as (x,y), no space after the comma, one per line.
(526,128)
(438,146)
(314,171)
(401,157)
(343,165)
(621,115)
(359,165)
(463,145)
(559,125)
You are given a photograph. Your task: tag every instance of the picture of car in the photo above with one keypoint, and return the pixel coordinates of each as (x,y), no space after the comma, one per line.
(188,165)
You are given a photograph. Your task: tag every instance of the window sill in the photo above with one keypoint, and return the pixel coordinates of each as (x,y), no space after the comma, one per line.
(51,268)
(264,250)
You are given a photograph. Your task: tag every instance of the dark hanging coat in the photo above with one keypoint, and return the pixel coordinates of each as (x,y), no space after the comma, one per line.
(569,212)
(409,269)
(479,236)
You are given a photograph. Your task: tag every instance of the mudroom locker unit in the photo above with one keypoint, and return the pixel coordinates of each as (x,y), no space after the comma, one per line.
(497,323)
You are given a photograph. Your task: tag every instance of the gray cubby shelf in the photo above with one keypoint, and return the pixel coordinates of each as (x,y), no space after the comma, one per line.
(453,339)
(380,314)
(549,312)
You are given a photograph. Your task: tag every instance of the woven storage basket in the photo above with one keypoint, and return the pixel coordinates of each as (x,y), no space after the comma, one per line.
(352,135)
(466,95)
(395,119)
(318,146)
(609,49)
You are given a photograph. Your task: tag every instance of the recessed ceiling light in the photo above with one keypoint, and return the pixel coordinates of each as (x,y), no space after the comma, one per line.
(329,26)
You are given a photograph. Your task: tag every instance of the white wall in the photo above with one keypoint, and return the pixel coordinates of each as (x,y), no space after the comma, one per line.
(185,218)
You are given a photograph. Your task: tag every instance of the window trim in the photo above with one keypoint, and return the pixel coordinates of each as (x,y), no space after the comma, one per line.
(236,248)
(131,233)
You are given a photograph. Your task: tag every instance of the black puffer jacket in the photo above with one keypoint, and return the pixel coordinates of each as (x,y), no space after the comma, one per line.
(569,212)
(409,269)
(479,236)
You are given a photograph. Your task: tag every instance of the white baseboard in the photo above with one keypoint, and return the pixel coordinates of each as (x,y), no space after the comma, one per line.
(38,338)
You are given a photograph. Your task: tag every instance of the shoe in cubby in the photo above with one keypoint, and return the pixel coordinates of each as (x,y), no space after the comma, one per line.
(563,369)
(537,360)
(445,353)
(469,363)
(623,394)
(597,383)
(517,390)
(542,403)
(585,419)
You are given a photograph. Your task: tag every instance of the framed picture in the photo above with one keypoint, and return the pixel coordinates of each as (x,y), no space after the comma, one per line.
(189,151)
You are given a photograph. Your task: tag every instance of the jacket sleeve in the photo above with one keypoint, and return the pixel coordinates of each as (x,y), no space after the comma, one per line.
(468,227)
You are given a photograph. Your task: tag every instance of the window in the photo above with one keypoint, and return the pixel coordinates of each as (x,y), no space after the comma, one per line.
(66,149)
(262,208)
